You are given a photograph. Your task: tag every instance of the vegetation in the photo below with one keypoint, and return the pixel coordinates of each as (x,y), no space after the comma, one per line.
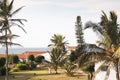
(79,31)
(42,74)
(69,65)
(6,21)
(31,58)
(39,59)
(2,68)
(109,33)
(13,59)
(58,50)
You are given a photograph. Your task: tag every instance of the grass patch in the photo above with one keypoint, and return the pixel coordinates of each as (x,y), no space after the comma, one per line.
(42,74)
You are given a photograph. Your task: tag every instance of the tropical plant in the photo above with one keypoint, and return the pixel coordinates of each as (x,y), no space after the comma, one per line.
(109,33)
(58,50)
(69,65)
(6,21)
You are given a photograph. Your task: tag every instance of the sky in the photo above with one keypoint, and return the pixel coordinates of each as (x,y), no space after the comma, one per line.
(48,17)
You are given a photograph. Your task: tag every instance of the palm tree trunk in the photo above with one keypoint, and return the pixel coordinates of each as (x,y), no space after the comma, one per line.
(116,69)
(6,51)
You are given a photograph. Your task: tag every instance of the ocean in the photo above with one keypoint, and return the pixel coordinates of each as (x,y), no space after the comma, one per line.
(22,50)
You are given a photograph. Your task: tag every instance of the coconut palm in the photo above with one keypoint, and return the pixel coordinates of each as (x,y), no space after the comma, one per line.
(109,32)
(6,22)
(58,50)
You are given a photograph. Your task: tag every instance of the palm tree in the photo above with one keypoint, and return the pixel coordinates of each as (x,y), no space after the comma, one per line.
(109,32)
(58,50)
(7,22)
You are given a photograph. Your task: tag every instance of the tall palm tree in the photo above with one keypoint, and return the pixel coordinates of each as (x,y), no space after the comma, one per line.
(109,33)
(58,50)
(6,21)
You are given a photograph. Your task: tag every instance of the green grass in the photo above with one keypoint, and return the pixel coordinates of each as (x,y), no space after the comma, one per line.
(43,75)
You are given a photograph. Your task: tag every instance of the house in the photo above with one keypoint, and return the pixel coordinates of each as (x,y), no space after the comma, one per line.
(24,56)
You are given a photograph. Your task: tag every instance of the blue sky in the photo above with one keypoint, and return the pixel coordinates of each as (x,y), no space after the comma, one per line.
(48,17)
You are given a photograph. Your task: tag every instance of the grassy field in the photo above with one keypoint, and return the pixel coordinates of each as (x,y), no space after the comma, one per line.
(43,75)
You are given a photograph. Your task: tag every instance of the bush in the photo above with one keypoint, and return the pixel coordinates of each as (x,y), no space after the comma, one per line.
(32,65)
(2,71)
(21,66)
(15,69)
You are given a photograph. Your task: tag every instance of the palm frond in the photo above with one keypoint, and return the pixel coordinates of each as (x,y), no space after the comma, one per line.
(17,11)
(18,20)
(10,43)
(108,70)
(10,6)
(20,27)
(95,26)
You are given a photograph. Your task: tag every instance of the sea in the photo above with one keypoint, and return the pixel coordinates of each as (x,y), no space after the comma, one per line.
(22,50)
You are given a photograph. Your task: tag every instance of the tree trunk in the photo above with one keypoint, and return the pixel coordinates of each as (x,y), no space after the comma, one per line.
(91,76)
(55,67)
(117,69)
(6,51)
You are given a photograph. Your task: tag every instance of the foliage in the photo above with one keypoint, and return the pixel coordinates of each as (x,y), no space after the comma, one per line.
(73,56)
(79,32)
(32,65)
(31,57)
(15,69)
(2,61)
(58,50)
(13,59)
(69,66)
(2,71)
(109,32)
(21,66)
(7,22)
(39,59)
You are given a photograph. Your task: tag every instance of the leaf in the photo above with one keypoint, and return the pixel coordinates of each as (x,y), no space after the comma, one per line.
(17,10)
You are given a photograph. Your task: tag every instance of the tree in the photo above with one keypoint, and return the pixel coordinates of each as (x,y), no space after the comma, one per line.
(2,61)
(15,59)
(6,21)
(58,50)
(109,33)
(39,59)
(31,58)
(79,32)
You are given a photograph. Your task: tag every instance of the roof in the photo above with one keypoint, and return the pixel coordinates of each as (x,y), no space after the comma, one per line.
(2,55)
(26,54)
(71,48)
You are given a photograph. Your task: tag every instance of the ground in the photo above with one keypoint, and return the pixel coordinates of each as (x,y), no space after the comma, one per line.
(39,74)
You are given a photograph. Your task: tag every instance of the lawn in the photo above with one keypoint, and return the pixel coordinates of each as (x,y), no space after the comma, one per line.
(43,75)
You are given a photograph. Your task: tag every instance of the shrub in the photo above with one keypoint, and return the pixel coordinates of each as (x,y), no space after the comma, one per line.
(15,69)
(2,71)
(32,65)
(21,66)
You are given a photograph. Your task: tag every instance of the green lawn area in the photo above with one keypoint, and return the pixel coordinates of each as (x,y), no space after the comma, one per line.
(43,75)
